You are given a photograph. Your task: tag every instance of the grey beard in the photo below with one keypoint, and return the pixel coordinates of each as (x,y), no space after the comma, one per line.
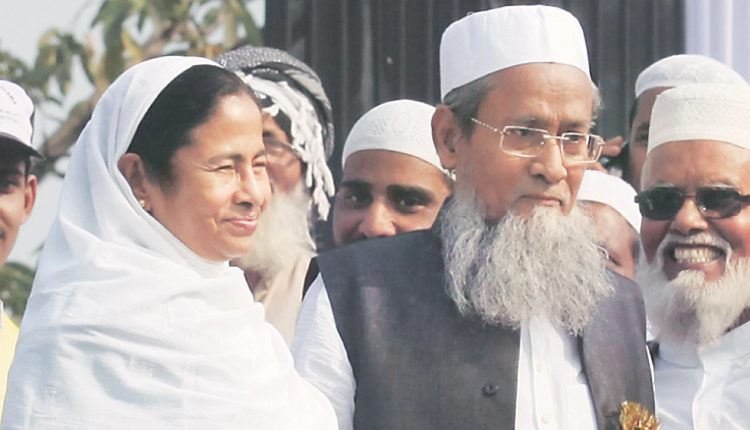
(281,236)
(687,309)
(548,265)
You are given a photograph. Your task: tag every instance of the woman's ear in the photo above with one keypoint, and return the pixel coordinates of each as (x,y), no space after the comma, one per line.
(133,169)
(445,134)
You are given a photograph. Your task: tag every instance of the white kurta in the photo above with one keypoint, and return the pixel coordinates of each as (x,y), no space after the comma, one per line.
(552,388)
(706,387)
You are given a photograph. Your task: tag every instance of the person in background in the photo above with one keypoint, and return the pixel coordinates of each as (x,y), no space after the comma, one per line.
(610,202)
(136,319)
(503,315)
(298,135)
(669,72)
(17,195)
(393,181)
(696,242)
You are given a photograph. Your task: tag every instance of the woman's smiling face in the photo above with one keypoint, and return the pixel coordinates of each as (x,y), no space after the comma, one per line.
(218,185)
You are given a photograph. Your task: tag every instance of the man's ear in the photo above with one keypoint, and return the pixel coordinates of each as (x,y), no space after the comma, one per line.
(446,134)
(29,197)
(133,169)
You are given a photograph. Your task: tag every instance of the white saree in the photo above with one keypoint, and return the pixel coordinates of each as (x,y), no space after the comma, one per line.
(126,328)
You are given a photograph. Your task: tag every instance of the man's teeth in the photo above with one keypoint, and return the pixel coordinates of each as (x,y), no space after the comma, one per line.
(695,255)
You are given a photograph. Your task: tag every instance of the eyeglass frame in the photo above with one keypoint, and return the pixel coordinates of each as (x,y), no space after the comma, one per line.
(742,199)
(546,136)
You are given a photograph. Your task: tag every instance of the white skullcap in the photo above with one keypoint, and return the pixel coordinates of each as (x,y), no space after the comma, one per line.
(701,112)
(403,126)
(685,69)
(16,112)
(485,42)
(612,191)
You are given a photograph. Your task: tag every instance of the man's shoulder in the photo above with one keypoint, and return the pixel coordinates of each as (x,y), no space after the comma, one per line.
(626,289)
(380,249)
(411,259)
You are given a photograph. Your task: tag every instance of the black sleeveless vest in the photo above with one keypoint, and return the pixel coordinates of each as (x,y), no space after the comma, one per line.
(420,365)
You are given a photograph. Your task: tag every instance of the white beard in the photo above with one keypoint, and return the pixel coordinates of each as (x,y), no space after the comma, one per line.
(282,235)
(688,309)
(548,265)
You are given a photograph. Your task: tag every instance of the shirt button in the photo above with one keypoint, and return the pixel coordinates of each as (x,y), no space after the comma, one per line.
(545,418)
(490,389)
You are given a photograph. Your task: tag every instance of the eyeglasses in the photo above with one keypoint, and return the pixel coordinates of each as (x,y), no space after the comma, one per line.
(576,148)
(663,203)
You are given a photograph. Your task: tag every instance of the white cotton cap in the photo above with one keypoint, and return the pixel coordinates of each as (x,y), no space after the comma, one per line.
(403,126)
(599,187)
(685,69)
(485,42)
(718,112)
(16,112)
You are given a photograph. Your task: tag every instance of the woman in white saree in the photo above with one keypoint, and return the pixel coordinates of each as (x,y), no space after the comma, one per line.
(135,320)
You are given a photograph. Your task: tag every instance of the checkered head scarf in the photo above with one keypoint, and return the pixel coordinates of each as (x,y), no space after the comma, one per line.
(291,92)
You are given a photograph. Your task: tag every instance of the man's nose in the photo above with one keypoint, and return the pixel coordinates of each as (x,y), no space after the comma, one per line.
(689,219)
(549,164)
(377,222)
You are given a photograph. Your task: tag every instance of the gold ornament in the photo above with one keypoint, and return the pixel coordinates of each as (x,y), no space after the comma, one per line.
(634,416)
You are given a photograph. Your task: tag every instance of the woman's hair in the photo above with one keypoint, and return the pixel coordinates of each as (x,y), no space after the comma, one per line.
(187,102)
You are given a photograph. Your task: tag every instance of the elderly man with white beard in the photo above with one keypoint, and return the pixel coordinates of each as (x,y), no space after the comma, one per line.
(696,241)
(502,315)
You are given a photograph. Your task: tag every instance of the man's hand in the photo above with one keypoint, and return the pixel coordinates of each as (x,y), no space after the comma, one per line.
(611,148)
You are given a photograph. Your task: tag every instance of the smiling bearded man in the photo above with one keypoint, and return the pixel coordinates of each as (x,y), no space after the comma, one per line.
(696,240)
(502,314)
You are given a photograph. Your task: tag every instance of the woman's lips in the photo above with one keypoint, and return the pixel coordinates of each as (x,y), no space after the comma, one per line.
(245,224)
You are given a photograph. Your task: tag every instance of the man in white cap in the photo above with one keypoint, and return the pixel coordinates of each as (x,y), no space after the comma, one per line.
(503,314)
(666,73)
(610,202)
(696,242)
(393,181)
(17,194)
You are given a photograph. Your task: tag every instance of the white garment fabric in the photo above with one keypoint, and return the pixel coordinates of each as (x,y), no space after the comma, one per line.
(126,328)
(718,29)
(403,126)
(552,388)
(685,69)
(612,191)
(706,387)
(485,42)
(716,112)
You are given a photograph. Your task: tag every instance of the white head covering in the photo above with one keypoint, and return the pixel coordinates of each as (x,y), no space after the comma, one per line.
(403,126)
(701,112)
(16,114)
(485,42)
(683,69)
(612,191)
(126,327)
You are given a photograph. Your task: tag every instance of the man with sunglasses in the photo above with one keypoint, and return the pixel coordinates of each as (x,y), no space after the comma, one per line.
(696,240)
(502,315)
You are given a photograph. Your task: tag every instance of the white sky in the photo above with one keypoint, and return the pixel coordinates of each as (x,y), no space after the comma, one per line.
(22,22)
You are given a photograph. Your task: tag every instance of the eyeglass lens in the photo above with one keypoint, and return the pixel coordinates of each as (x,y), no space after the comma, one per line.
(713,202)
(529,142)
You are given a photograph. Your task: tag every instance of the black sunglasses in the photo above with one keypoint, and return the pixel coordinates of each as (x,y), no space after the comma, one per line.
(662,203)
